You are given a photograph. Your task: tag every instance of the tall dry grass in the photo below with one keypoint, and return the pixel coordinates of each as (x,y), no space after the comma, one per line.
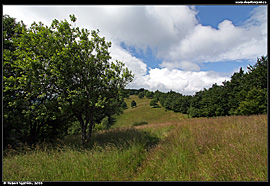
(110,156)
(217,149)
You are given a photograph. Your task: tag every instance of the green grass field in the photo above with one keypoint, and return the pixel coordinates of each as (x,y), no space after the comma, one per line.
(144,112)
(171,147)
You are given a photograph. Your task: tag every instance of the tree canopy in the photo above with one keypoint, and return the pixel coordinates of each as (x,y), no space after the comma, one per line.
(52,74)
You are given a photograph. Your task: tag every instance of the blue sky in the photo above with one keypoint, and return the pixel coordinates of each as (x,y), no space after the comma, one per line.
(181,48)
(214,14)
(208,15)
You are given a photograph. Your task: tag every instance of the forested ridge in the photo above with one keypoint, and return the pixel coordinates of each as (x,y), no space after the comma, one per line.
(244,94)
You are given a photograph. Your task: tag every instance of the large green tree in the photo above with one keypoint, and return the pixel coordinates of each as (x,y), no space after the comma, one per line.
(12,125)
(63,72)
(86,80)
(30,110)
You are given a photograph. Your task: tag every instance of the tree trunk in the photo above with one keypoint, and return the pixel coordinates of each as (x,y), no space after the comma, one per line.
(90,129)
(33,134)
(83,128)
(83,134)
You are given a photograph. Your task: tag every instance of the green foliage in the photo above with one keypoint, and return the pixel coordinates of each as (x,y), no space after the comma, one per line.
(29,96)
(58,73)
(133,103)
(141,95)
(74,128)
(124,105)
(255,102)
(154,103)
(104,124)
(149,94)
(244,94)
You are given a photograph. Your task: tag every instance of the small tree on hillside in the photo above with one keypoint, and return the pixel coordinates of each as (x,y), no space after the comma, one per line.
(154,102)
(149,94)
(133,103)
(124,105)
(141,95)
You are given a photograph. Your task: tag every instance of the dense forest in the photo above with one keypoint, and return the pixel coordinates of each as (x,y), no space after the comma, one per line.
(59,76)
(244,94)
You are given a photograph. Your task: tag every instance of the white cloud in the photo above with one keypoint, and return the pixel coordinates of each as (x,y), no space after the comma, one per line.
(165,79)
(185,82)
(157,27)
(134,64)
(207,44)
(228,42)
(172,32)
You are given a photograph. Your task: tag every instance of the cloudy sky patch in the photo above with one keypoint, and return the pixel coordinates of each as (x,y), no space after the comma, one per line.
(169,47)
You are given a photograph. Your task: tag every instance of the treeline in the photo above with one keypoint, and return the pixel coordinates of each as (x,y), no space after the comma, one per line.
(244,94)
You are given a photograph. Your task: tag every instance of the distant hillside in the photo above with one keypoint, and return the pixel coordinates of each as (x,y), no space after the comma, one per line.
(143,112)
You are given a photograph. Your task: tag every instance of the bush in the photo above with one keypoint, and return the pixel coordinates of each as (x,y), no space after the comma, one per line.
(103,125)
(154,102)
(149,94)
(141,95)
(74,129)
(133,103)
(138,123)
(124,105)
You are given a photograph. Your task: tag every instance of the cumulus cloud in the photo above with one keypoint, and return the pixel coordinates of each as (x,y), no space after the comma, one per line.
(138,67)
(165,79)
(185,82)
(227,42)
(172,33)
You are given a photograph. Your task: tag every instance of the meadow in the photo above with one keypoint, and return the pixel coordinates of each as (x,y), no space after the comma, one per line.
(170,147)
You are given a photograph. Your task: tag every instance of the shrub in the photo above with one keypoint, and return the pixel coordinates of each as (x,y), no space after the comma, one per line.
(141,95)
(133,103)
(124,105)
(154,102)
(103,125)
(149,94)
(74,129)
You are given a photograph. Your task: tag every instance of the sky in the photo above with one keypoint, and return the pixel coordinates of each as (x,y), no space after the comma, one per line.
(179,47)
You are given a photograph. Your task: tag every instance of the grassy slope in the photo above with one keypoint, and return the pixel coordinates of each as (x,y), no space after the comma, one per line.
(144,112)
(216,149)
